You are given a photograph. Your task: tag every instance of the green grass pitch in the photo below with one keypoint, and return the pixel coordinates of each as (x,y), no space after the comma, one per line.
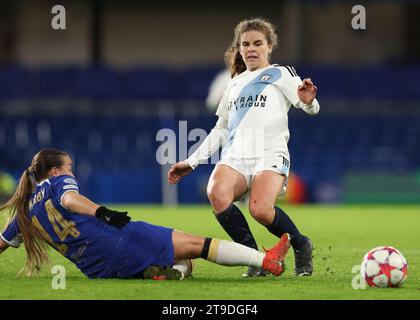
(341,236)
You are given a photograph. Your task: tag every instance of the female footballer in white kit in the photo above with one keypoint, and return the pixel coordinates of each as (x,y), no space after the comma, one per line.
(253,130)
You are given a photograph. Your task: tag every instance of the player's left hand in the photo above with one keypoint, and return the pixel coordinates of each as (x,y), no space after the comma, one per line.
(114,218)
(307,91)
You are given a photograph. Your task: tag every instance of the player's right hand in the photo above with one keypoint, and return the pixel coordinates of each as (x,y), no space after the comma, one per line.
(177,171)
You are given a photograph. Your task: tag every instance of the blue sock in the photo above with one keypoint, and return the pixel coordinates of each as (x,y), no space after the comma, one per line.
(234,223)
(282,224)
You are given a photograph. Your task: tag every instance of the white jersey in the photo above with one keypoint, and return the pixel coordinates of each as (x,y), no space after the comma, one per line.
(253,121)
(256,104)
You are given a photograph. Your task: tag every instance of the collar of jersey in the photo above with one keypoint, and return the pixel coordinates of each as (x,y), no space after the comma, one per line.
(46,180)
(246,72)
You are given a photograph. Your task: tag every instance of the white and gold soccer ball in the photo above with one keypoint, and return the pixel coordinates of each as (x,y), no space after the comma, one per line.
(384,267)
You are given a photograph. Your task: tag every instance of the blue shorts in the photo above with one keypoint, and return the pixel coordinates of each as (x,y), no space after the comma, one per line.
(140,246)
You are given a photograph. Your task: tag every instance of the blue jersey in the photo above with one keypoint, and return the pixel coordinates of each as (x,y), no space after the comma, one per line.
(97,249)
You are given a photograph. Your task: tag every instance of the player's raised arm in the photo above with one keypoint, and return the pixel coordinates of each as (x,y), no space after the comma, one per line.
(307,93)
(301,94)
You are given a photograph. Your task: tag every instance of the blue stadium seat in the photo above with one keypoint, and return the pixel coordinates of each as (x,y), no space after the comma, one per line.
(14,83)
(332,81)
(148,83)
(410,78)
(53,82)
(194,83)
(99,83)
(378,83)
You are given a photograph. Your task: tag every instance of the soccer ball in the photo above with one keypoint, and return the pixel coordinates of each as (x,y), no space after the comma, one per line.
(185,267)
(384,267)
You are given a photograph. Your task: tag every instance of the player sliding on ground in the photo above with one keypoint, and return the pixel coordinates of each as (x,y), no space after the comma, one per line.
(47,209)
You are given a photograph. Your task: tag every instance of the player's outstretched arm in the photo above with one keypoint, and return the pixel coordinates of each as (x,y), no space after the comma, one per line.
(216,138)
(78,203)
(301,94)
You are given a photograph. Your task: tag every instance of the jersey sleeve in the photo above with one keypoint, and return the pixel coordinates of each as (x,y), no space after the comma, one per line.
(288,84)
(63,185)
(11,234)
(217,138)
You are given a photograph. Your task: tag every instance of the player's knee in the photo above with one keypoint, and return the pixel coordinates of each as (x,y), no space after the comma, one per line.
(218,197)
(261,212)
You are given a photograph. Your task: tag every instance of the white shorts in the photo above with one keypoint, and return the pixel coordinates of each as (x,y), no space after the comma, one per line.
(249,167)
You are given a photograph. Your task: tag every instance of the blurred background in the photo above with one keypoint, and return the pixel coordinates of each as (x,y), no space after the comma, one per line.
(122,70)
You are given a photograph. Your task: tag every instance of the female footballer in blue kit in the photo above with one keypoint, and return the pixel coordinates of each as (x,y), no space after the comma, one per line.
(47,209)
(253,130)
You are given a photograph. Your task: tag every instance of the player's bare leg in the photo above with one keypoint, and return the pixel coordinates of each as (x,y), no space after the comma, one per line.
(186,246)
(225,186)
(266,187)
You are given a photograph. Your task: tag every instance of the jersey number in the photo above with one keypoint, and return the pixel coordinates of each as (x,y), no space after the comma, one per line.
(62,227)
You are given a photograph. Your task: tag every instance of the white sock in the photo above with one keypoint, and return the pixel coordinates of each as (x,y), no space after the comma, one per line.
(228,253)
